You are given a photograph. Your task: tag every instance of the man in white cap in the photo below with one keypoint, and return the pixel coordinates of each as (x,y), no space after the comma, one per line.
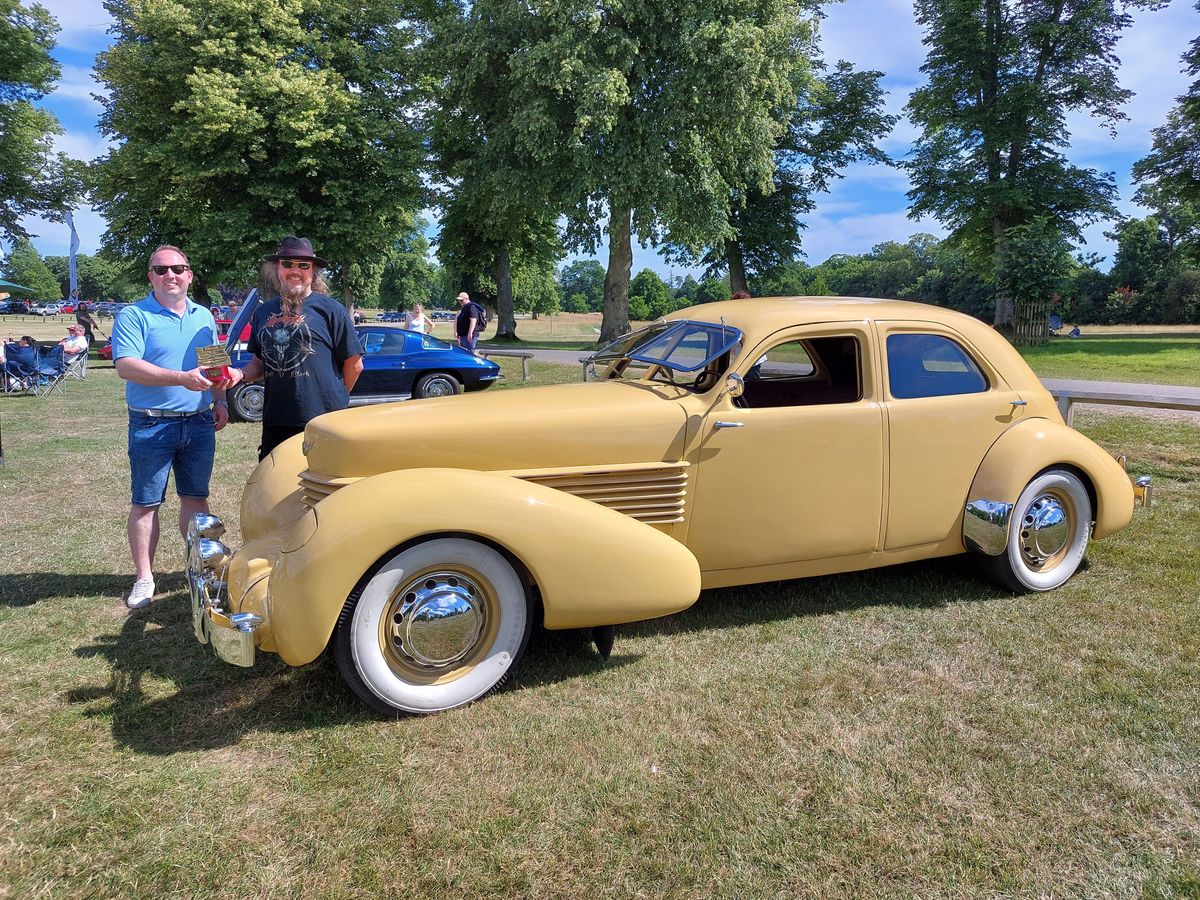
(466,326)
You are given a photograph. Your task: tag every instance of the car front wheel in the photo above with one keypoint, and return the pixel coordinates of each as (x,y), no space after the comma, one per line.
(438,384)
(1047,535)
(440,624)
(246,402)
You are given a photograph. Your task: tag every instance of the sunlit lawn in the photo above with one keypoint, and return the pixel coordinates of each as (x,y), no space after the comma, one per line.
(1157,358)
(912,731)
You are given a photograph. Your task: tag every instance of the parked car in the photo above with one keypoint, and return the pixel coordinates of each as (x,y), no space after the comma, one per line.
(45,309)
(389,317)
(14,307)
(397,365)
(443,315)
(733,443)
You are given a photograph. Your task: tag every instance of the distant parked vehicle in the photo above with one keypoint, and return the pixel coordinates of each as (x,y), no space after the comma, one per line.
(44,310)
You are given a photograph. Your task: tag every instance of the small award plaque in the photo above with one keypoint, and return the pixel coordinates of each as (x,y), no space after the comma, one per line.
(214,361)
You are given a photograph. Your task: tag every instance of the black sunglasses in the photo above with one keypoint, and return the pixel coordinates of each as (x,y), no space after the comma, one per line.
(302,266)
(177,268)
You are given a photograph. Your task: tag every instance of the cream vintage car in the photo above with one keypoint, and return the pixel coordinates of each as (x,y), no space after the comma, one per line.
(732,443)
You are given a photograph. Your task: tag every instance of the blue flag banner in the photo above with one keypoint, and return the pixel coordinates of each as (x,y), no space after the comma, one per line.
(72,271)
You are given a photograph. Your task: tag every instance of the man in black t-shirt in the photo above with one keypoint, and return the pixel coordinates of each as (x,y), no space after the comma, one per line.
(304,347)
(466,326)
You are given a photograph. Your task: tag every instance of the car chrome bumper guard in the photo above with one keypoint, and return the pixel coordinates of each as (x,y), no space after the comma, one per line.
(231,636)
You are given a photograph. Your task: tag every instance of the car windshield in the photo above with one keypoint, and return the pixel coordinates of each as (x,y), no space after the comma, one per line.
(665,351)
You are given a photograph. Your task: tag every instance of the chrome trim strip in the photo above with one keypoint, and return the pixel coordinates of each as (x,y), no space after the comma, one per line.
(985,526)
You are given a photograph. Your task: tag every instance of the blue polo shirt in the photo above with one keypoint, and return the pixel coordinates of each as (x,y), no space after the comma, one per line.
(148,330)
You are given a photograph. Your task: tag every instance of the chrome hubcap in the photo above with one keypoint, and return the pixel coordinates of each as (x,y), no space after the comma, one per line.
(252,400)
(437,620)
(439,388)
(1045,530)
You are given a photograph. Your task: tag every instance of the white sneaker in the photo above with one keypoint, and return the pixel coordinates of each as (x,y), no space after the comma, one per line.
(140,594)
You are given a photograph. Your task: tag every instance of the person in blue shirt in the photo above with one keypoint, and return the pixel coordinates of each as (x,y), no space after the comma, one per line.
(174,410)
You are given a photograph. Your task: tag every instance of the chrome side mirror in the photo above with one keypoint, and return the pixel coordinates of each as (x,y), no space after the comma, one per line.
(735,384)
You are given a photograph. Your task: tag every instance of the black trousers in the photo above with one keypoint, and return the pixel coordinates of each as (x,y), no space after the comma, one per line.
(274,435)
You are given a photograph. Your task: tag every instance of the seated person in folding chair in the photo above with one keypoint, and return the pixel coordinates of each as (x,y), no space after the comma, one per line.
(75,348)
(20,366)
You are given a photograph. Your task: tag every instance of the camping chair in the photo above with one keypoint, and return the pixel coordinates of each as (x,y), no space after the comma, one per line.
(77,363)
(51,369)
(20,369)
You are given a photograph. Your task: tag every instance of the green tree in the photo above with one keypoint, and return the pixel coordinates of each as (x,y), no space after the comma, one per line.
(686,290)
(652,293)
(1002,77)
(99,278)
(586,277)
(242,121)
(1174,159)
(1039,264)
(25,266)
(408,274)
(837,119)
(34,180)
(576,303)
(1142,252)
(646,116)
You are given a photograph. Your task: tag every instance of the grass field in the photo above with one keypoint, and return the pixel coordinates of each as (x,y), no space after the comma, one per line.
(912,731)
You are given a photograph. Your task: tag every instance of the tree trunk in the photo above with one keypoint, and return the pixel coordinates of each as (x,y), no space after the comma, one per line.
(737,266)
(1006,305)
(506,321)
(616,279)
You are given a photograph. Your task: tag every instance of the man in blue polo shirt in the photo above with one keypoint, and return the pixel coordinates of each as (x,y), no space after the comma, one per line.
(172,414)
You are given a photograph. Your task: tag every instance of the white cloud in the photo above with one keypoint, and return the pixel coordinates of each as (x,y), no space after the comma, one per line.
(84,23)
(54,238)
(78,84)
(82,145)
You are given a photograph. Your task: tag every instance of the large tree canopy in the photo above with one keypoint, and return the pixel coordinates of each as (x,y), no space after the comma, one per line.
(647,114)
(1174,162)
(1003,75)
(34,180)
(242,121)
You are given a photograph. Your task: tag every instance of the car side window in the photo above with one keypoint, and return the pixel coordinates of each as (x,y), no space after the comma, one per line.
(809,372)
(393,343)
(372,343)
(930,365)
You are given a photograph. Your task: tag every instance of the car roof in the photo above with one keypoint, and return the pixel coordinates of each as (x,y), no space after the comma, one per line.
(762,317)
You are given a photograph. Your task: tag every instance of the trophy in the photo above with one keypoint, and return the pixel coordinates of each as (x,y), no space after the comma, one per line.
(214,361)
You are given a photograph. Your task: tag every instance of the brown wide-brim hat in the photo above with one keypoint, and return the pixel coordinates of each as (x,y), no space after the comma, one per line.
(296,248)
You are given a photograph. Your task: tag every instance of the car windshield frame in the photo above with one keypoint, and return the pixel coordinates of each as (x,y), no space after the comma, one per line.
(657,345)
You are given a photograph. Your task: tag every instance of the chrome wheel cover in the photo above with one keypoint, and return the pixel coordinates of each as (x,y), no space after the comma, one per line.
(1046,530)
(438,624)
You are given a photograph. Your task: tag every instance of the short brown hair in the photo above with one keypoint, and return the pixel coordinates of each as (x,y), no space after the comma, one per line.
(167,247)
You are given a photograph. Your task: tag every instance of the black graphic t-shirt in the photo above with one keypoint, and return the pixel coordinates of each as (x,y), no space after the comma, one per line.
(302,358)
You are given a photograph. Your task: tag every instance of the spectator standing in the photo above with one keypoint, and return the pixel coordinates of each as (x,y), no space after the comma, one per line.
(84,319)
(304,346)
(466,326)
(172,415)
(417,320)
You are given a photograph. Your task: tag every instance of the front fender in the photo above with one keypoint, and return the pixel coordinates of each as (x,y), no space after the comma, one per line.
(1036,444)
(271,499)
(593,566)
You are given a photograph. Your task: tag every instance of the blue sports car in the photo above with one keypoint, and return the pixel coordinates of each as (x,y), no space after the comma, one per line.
(397,365)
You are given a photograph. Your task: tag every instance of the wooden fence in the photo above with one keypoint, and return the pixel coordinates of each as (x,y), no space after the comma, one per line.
(1033,322)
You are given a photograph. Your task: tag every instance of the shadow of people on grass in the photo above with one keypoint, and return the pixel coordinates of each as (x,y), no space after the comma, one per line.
(28,588)
(215,704)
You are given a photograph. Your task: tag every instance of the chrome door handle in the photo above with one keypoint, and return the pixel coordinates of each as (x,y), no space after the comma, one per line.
(1018,402)
(720,424)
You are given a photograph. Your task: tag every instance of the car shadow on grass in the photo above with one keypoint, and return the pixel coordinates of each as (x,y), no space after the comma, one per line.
(928,584)
(214,704)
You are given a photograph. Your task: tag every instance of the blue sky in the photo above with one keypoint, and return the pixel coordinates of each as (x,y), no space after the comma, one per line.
(864,208)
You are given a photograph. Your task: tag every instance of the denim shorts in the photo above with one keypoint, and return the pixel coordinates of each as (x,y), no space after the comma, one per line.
(186,444)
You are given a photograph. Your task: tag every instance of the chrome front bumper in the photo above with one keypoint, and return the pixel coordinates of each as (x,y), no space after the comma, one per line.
(231,636)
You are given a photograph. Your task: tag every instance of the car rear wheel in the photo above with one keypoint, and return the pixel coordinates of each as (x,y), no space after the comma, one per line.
(438,384)
(1047,535)
(246,402)
(439,625)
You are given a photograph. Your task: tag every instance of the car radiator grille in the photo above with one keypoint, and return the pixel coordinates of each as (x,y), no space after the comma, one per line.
(654,493)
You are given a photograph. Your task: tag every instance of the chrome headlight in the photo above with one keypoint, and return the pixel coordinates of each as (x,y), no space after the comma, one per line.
(205,525)
(211,556)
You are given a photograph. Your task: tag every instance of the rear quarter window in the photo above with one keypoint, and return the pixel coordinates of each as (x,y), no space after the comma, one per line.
(930,365)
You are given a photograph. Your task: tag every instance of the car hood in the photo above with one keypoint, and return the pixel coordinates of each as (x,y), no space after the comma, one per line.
(534,428)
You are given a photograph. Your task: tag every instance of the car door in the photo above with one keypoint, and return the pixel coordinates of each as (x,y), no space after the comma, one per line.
(945,405)
(384,372)
(792,470)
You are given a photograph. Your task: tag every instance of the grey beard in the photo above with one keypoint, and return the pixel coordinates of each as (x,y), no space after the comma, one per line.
(293,299)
